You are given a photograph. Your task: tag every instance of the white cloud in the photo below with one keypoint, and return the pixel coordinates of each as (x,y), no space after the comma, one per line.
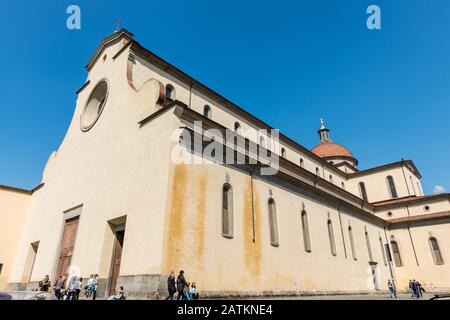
(438,189)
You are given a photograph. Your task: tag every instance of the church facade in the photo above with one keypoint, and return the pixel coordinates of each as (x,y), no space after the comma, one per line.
(139,187)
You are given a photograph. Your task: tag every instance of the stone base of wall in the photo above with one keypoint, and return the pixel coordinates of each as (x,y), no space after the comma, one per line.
(17,286)
(280,294)
(154,287)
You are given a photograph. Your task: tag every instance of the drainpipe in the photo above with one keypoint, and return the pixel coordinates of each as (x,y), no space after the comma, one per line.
(410,235)
(253,204)
(190,93)
(409,215)
(389,261)
(342,231)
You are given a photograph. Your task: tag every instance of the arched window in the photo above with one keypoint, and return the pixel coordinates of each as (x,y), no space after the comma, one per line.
(301,163)
(383,252)
(391,185)
(273,223)
(170,92)
(396,254)
(343,185)
(237,128)
(331,178)
(352,243)
(435,251)
(207,111)
(369,248)
(331,237)
(283,152)
(362,191)
(317,171)
(227,211)
(305,229)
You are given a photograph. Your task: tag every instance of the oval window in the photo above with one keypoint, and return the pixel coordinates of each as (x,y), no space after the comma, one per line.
(94,106)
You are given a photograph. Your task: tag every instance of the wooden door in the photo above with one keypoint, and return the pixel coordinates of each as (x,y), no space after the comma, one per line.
(117,257)
(67,246)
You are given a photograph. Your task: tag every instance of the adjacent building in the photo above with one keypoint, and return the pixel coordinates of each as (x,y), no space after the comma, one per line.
(13,212)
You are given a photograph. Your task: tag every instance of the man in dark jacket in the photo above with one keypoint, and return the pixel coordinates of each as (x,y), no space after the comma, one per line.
(45,283)
(171,286)
(181,284)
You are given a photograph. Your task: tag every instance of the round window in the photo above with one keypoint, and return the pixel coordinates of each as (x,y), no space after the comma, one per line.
(94,106)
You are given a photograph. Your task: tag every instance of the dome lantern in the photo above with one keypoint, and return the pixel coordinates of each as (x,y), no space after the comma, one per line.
(332,152)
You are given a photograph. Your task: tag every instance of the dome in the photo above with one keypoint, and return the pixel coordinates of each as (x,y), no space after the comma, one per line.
(331,149)
(333,152)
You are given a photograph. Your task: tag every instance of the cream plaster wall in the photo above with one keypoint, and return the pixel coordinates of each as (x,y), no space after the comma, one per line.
(400,210)
(434,277)
(13,212)
(377,187)
(115,169)
(218,263)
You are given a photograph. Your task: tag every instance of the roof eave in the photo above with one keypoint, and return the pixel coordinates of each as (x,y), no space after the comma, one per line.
(112,37)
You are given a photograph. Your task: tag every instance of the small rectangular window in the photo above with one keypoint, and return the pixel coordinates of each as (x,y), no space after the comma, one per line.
(273,223)
(305,228)
(1,267)
(396,254)
(227,212)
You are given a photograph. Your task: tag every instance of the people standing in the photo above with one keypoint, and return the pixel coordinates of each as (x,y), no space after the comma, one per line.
(411,289)
(392,293)
(193,292)
(414,289)
(419,289)
(94,295)
(72,288)
(187,291)
(78,289)
(45,283)
(59,285)
(90,286)
(181,285)
(171,286)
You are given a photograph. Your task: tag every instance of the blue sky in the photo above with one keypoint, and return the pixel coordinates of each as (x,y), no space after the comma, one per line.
(383,93)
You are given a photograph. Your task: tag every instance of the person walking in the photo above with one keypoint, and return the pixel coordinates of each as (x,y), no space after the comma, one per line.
(78,289)
(94,295)
(72,287)
(411,288)
(392,293)
(171,285)
(59,285)
(45,283)
(414,289)
(181,285)
(90,286)
(419,289)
